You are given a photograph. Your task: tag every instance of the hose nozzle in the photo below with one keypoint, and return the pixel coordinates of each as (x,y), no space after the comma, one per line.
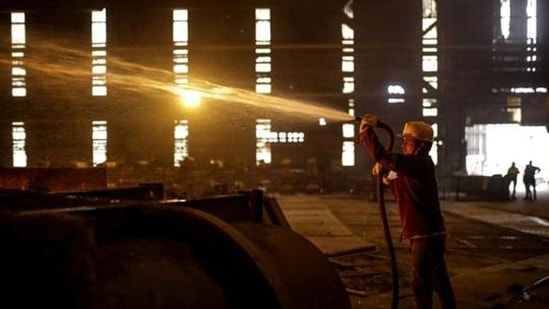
(386,128)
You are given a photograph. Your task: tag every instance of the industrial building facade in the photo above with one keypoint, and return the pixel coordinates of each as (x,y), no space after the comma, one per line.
(95,83)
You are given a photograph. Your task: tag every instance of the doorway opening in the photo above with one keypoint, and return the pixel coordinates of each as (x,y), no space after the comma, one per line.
(492,148)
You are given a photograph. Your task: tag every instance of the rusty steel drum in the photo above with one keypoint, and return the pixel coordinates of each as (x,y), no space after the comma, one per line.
(153,255)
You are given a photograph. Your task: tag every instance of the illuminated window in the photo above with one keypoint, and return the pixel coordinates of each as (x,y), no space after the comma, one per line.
(514,108)
(296,137)
(351,107)
(531,34)
(348,84)
(396,94)
(265,137)
(505,22)
(430,68)
(19,137)
(181,135)
(263,72)
(263,51)
(283,137)
(508,18)
(348,59)
(18,43)
(181,50)
(99,52)
(532,20)
(348,130)
(430,63)
(429,107)
(99,142)
(348,147)
(518,24)
(348,153)
(431,83)
(430,59)
(263,147)
(348,89)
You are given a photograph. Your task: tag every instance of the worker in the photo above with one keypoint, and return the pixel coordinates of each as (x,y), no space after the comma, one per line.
(414,185)
(512,173)
(529,180)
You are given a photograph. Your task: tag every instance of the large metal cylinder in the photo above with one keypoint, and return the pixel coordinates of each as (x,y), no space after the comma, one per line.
(160,256)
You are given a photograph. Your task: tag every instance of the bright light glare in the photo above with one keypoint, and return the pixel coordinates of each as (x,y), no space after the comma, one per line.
(506,143)
(190,98)
(322,122)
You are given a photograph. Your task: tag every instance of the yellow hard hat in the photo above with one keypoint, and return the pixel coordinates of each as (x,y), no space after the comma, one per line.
(418,130)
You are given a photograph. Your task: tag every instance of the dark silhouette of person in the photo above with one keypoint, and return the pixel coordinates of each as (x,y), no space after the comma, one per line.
(511,176)
(529,180)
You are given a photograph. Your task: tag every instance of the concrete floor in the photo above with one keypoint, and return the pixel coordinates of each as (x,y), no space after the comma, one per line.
(494,247)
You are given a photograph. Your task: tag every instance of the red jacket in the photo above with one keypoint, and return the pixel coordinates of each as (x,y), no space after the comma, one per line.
(415,188)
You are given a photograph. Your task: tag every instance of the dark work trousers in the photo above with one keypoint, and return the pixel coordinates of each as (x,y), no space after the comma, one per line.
(429,273)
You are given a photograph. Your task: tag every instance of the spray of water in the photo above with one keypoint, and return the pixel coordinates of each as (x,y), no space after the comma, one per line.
(61,66)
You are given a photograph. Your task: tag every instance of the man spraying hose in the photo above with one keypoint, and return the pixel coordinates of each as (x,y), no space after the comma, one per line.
(411,178)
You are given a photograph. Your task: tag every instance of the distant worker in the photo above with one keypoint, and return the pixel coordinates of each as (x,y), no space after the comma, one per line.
(412,180)
(511,176)
(529,180)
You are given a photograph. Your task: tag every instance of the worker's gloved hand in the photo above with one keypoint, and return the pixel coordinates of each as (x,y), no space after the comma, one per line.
(376,169)
(368,121)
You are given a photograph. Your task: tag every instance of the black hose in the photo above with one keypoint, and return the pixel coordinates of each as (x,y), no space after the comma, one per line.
(385,221)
